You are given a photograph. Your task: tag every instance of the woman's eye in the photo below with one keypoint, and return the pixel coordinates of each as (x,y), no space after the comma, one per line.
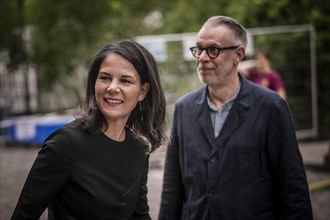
(105,78)
(126,81)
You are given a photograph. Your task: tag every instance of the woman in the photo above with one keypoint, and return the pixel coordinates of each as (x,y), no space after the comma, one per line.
(96,167)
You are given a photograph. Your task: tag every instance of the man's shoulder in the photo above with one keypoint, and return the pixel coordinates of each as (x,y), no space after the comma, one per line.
(258,93)
(192,97)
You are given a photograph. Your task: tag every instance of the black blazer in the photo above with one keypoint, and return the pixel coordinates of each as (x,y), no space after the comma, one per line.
(252,170)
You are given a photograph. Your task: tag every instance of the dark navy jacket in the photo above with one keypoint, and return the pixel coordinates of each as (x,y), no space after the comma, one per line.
(252,170)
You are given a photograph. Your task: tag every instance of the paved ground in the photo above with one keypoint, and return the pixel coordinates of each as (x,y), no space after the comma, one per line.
(16,162)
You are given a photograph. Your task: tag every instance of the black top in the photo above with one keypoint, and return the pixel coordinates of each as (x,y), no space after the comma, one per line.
(84,176)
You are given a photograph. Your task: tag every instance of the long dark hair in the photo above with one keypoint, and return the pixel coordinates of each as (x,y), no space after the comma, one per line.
(148,117)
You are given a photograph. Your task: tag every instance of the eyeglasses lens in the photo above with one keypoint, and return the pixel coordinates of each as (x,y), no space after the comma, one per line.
(213,52)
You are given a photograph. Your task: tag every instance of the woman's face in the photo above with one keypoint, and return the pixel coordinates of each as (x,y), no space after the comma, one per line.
(118,88)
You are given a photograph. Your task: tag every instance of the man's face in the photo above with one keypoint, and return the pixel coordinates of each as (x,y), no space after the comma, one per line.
(218,70)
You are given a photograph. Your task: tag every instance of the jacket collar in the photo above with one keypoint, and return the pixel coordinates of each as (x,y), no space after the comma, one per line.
(234,119)
(243,96)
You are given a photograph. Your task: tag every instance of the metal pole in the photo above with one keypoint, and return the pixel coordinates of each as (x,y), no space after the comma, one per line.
(20,4)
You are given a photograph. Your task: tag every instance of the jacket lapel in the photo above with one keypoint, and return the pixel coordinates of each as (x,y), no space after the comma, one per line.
(204,118)
(235,117)
(233,121)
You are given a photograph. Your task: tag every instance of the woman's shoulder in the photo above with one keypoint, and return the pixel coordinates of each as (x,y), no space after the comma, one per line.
(137,140)
(66,133)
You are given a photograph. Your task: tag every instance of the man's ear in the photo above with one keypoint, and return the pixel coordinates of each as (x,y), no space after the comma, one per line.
(239,56)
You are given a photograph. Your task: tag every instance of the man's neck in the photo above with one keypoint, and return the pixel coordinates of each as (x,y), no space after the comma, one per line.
(218,95)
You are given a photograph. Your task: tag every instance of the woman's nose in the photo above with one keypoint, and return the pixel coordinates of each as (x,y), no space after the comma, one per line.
(113,87)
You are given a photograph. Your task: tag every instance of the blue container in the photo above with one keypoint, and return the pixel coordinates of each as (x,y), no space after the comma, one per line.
(7,130)
(48,125)
(43,131)
(25,129)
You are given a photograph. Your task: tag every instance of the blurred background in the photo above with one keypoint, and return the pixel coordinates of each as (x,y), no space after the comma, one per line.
(46,47)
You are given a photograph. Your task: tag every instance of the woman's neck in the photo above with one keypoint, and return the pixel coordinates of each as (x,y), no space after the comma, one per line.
(115,131)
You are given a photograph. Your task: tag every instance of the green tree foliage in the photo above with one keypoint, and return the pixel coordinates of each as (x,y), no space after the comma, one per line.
(11,24)
(66,33)
(63,32)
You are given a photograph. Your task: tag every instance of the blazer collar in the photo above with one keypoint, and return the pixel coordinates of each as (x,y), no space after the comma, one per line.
(243,99)
(244,95)
(234,119)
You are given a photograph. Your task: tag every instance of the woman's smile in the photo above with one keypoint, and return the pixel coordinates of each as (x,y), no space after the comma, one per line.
(113,101)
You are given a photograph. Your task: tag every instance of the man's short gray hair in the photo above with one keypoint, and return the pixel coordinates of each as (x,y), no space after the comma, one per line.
(237,29)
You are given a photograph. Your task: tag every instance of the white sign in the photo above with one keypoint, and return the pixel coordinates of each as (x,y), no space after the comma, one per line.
(187,42)
(25,128)
(157,49)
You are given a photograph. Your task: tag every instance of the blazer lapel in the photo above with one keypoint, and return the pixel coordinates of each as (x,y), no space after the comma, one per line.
(233,121)
(235,117)
(204,118)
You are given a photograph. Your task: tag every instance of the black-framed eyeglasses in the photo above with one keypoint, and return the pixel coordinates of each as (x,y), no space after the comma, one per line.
(212,52)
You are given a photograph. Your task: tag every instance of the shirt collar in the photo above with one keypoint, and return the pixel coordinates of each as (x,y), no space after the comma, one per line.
(226,104)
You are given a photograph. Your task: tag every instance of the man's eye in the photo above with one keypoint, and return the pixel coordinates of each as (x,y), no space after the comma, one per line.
(198,50)
(213,50)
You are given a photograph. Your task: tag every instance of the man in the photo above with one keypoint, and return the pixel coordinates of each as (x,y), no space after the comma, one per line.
(233,152)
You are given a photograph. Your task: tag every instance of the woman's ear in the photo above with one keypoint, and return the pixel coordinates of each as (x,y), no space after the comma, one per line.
(144,90)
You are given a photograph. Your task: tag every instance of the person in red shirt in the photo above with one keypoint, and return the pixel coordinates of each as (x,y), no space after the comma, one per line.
(261,72)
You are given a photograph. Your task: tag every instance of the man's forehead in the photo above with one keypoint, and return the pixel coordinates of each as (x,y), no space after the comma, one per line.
(213,35)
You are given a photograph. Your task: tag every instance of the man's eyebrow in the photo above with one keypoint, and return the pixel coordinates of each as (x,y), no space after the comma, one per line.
(211,45)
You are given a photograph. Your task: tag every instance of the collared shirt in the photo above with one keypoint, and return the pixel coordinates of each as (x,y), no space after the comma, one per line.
(219,115)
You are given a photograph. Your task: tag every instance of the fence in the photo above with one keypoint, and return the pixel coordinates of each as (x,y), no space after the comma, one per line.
(293,56)
(18,89)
